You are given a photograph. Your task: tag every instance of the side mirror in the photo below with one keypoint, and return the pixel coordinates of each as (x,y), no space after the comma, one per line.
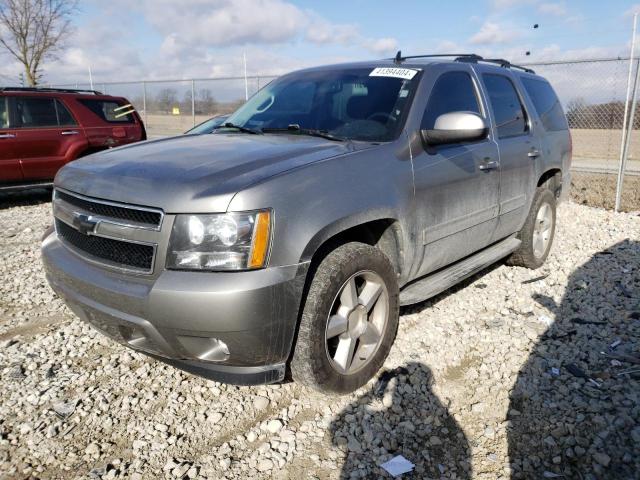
(455,127)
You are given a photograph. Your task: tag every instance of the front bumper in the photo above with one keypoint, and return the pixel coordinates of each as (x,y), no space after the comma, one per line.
(235,327)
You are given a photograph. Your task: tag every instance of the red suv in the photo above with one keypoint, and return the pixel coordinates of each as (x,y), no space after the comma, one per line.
(41,129)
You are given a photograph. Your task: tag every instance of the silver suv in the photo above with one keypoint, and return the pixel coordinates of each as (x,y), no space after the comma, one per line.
(287,239)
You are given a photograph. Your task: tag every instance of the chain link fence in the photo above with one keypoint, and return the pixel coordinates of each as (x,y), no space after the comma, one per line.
(171,107)
(592,93)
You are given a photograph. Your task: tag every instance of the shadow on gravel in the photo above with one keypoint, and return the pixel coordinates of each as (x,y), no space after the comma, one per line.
(25,198)
(401,415)
(575,408)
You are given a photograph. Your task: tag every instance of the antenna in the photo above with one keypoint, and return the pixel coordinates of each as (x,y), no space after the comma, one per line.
(398,59)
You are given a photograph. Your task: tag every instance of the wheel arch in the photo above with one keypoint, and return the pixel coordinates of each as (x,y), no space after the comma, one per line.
(383,232)
(552,178)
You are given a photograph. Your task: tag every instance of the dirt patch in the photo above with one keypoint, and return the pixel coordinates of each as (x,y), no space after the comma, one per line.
(599,190)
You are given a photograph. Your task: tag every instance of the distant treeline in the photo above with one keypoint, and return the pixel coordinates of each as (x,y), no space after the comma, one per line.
(581,114)
(168,98)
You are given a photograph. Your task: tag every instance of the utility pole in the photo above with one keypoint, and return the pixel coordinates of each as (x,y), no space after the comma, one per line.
(627,126)
(246,85)
(90,79)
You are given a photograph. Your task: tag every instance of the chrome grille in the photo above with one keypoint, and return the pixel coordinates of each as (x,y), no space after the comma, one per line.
(135,215)
(111,234)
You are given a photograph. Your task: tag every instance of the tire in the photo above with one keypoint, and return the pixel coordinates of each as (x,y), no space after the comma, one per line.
(351,270)
(530,254)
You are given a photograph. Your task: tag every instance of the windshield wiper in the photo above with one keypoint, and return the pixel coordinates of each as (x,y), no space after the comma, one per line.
(238,127)
(312,132)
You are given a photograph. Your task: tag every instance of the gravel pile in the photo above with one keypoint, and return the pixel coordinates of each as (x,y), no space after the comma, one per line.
(514,374)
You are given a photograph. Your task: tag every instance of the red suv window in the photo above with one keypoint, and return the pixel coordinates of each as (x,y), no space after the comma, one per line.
(109,111)
(4,113)
(41,112)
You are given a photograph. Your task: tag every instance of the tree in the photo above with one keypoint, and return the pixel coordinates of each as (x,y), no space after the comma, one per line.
(33,31)
(206,103)
(167,99)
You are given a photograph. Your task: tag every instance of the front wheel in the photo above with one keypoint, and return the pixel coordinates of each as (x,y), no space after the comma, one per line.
(349,320)
(538,231)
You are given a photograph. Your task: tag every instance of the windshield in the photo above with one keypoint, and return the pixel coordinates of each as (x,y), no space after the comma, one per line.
(208,125)
(355,103)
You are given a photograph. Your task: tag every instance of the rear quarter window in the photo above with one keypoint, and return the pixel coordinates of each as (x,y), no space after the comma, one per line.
(546,103)
(109,110)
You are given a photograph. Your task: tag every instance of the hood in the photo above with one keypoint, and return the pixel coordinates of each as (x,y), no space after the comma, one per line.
(192,173)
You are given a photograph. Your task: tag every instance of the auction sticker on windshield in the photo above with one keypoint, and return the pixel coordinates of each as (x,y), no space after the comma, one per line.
(405,73)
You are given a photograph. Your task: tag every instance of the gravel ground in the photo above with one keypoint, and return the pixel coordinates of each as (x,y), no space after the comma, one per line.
(514,374)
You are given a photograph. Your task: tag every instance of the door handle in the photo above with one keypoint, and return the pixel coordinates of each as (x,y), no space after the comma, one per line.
(7,135)
(488,165)
(533,153)
(69,132)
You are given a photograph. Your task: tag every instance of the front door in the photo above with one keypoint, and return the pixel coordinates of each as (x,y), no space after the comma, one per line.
(46,132)
(9,163)
(456,185)
(518,149)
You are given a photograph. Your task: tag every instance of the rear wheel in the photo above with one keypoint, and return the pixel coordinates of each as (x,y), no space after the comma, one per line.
(349,320)
(538,231)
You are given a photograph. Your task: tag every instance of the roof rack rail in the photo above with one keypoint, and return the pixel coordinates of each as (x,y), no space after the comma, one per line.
(464,57)
(497,61)
(47,89)
(399,58)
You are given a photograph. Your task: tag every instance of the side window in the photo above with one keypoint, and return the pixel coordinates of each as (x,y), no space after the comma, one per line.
(64,116)
(507,108)
(452,92)
(109,111)
(546,104)
(4,112)
(36,112)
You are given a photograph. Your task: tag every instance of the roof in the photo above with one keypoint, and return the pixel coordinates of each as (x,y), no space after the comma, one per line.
(49,90)
(421,61)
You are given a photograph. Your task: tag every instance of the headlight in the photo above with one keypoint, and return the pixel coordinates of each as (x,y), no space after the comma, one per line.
(229,241)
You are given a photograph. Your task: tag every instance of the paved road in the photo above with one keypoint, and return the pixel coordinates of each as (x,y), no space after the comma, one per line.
(604,166)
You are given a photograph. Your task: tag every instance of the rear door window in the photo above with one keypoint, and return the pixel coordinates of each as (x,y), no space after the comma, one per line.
(452,92)
(109,110)
(507,108)
(64,116)
(35,112)
(546,103)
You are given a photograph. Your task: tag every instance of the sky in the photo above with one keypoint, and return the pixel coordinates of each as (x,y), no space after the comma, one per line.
(168,39)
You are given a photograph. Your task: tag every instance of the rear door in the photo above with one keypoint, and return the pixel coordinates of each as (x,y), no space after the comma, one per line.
(9,162)
(550,126)
(48,136)
(518,148)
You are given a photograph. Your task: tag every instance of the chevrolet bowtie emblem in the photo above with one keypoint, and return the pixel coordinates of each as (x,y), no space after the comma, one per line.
(85,224)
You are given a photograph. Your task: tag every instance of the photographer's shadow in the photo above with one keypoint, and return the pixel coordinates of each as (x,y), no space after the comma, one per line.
(574,413)
(401,415)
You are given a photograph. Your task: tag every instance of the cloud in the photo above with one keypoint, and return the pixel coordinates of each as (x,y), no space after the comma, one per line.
(382,46)
(556,9)
(491,33)
(321,31)
(225,22)
(635,8)
(505,4)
